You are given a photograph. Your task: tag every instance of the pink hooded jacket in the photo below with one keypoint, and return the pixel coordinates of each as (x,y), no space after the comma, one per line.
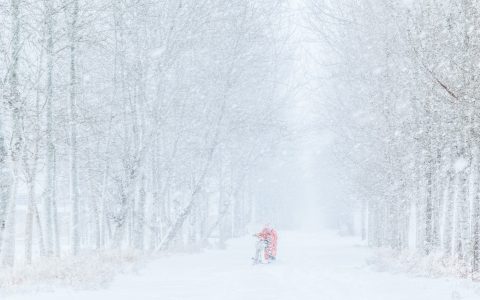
(270,235)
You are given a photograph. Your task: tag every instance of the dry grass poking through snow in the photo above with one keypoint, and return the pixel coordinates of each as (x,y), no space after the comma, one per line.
(433,265)
(88,271)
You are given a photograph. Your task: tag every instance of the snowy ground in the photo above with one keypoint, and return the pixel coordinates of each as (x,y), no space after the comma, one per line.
(310,266)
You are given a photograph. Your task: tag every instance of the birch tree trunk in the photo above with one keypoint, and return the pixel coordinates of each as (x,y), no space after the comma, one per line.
(74,197)
(5,182)
(475,235)
(449,211)
(29,221)
(15,105)
(462,207)
(50,184)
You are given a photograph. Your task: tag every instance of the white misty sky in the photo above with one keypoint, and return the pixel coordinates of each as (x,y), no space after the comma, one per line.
(296,179)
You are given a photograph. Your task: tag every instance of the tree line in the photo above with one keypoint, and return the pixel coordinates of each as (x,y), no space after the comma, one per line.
(401,81)
(132,123)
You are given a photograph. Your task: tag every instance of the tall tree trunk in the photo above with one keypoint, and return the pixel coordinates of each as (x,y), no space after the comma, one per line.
(428,246)
(449,211)
(140,215)
(56,227)
(15,105)
(475,235)
(49,186)
(462,207)
(5,182)
(31,210)
(74,197)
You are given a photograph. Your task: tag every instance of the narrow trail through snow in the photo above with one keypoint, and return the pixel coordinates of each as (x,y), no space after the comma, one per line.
(310,266)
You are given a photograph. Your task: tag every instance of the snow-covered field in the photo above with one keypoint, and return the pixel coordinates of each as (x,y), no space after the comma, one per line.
(310,266)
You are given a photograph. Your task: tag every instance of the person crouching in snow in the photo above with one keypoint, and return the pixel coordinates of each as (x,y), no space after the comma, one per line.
(270,236)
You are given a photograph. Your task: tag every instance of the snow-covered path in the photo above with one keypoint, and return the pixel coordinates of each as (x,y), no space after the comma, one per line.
(311,266)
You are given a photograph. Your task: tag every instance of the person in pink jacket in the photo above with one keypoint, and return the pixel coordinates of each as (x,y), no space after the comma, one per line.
(270,236)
